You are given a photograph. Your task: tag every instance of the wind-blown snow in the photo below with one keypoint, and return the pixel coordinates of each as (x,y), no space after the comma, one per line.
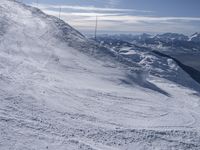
(56,93)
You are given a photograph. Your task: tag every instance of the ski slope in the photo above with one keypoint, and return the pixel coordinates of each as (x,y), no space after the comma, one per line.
(58,90)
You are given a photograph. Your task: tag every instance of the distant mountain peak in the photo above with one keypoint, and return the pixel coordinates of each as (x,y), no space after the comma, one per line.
(195,37)
(171,36)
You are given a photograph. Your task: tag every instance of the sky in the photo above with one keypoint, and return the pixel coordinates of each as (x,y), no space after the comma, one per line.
(126,16)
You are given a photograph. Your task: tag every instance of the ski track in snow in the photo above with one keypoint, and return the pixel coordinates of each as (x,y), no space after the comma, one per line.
(53,96)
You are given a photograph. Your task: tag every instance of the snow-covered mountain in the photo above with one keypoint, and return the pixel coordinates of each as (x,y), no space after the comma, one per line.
(171,43)
(167,37)
(195,37)
(174,43)
(59,90)
(125,37)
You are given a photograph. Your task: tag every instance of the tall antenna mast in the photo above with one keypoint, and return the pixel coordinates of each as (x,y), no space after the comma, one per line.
(95,33)
(37,2)
(59,12)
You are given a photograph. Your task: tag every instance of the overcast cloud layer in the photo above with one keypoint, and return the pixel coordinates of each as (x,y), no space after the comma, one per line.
(112,18)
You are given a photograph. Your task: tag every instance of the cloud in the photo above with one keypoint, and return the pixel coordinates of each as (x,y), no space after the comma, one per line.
(87,8)
(112,19)
(113,3)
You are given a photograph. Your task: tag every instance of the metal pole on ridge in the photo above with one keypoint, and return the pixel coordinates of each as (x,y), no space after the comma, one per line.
(95,33)
(60,9)
(37,3)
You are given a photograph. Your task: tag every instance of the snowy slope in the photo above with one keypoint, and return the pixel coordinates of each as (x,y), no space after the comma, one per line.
(60,91)
(155,64)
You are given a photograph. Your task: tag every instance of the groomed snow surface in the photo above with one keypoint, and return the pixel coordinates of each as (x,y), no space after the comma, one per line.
(58,97)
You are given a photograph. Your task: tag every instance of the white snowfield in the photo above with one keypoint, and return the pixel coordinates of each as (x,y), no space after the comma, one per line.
(57,93)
